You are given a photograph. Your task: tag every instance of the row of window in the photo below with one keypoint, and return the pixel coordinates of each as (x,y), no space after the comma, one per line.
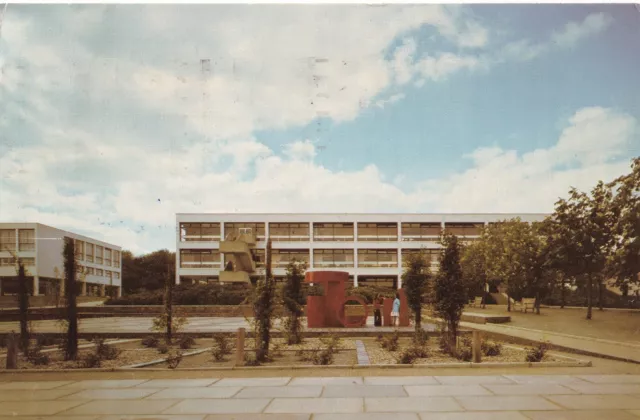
(205,232)
(10,262)
(210,258)
(86,251)
(97,272)
(26,240)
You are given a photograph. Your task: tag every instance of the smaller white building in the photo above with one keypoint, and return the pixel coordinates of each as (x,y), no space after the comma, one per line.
(40,249)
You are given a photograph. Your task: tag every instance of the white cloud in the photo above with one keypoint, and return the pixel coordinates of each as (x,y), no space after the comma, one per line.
(381,103)
(573,32)
(300,150)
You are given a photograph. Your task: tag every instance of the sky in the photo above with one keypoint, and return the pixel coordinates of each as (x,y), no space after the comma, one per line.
(113,118)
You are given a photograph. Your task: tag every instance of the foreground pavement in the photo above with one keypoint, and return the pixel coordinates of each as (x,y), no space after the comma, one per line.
(475,397)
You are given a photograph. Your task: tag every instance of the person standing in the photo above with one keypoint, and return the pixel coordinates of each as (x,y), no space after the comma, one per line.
(395,310)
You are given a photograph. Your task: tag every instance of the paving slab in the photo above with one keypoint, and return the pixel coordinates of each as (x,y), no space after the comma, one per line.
(601,389)
(339,380)
(177,383)
(367,416)
(597,402)
(32,385)
(50,418)
(122,407)
(111,394)
(150,417)
(611,379)
(579,415)
(315,405)
(218,406)
(530,389)
(108,383)
(544,379)
(258,417)
(486,415)
(253,381)
(310,391)
(28,395)
(335,391)
(635,412)
(28,408)
(400,380)
(411,404)
(191,393)
(445,390)
(506,403)
(473,380)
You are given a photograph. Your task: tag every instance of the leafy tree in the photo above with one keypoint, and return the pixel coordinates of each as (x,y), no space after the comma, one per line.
(263,303)
(624,261)
(414,281)
(71,342)
(292,297)
(146,272)
(449,289)
(168,306)
(474,268)
(23,304)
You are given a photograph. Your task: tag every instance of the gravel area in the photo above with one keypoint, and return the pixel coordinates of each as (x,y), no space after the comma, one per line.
(378,355)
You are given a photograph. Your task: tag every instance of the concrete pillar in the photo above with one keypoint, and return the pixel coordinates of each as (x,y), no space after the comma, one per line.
(399,282)
(103,290)
(120,291)
(36,285)
(83,292)
(355,280)
(310,231)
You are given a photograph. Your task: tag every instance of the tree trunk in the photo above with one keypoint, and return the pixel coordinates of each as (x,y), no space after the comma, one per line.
(562,292)
(508,301)
(538,302)
(23,302)
(589,300)
(71,351)
(168,307)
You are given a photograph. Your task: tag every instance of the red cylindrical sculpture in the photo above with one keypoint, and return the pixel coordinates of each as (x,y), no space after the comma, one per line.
(315,311)
(331,305)
(387,305)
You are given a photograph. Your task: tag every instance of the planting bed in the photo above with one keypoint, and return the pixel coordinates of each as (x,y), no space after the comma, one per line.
(381,356)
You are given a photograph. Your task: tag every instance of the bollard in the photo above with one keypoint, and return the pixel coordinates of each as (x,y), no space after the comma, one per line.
(12,352)
(477,347)
(240,347)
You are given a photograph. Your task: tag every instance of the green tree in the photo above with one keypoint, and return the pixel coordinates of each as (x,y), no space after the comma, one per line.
(71,344)
(414,281)
(292,298)
(146,272)
(449,289)
(263,303)
(623,263)
(474,268)
(168,305)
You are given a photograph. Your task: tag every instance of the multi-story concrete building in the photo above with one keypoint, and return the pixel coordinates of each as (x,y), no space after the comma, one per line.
(40,249)
(371,247)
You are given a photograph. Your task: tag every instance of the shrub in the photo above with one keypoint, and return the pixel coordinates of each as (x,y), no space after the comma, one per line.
(45,341)
(163,349)
(150,342)
(331,342)
(221,341)
(305,355)
(36,357)
(250,359)
(491,348)
(174,359)
(410,354)
(464,351)
(391,342)
(188,294)
(379,338)
(537,353)
(186,342)
(420,337)
(106,351)
(90,360)
(323,357)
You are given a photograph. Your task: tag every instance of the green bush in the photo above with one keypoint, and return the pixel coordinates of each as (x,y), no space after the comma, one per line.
(91,360)
(186,342)
(250,359)
(410,354)
(221,342)
(174,359)
(36,356)
(464,351)
(537,353)
(189,294)
(391,342)
(491,348)
(150,342)
(106,351)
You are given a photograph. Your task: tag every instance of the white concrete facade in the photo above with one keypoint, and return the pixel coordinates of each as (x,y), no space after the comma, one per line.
(40,248)
(368,246)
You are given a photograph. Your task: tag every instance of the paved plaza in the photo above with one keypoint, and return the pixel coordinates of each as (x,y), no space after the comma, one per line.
(501,397)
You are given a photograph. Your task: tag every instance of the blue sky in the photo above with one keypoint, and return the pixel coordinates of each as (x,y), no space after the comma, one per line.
(114,118)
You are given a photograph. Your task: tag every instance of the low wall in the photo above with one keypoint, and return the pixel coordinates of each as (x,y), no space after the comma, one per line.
(11,302)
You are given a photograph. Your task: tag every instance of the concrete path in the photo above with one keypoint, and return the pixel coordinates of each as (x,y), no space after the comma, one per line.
(507,397)
(587,345)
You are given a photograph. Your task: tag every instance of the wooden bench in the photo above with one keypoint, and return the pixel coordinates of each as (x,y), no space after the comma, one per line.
(526,304)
